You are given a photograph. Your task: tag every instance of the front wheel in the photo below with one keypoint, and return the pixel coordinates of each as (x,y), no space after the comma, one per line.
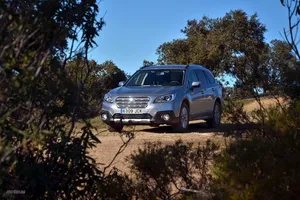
(183,122)
(115,127)
(215,121)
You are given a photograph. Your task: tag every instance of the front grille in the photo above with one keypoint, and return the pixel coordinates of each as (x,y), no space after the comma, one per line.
(132,102)
(132,116)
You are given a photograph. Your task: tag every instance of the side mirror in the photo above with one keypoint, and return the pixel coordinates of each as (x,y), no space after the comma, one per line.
(196,84)
(121,83)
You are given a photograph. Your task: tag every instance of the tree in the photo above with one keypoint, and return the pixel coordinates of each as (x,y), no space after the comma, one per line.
(229,44)
(258,163)
(291,34)
(41,102)
(146,62)
(175,52)
(112,75)
(233,45)
(283,70)
(101,78)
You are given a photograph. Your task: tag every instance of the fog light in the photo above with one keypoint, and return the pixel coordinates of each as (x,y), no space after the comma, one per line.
(165,117)
(104,116)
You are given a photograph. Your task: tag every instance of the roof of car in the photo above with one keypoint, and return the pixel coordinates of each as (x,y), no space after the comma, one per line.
(172,67)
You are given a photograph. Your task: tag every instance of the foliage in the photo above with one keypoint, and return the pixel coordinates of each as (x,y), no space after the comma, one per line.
(146,62)
(45,84)
(291,34)
(115,187)
(113,75)
(281,119)
(259,168)
(259,163)
(56,167)
(48,85)
(223,45)
(236,93)
(234,45)
(262,164)
(283,70)
(163,171)
(100,79)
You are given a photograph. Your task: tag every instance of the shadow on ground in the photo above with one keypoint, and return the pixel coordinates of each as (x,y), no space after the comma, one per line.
(202,128)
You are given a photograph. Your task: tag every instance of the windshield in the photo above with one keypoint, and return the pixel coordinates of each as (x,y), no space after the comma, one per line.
(157,77)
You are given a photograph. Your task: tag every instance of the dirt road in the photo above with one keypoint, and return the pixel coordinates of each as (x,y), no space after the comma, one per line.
(198,132)
(111,142)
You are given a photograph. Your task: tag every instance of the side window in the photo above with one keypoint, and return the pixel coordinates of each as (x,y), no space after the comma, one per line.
(210,78)
(202,77)
(192,77)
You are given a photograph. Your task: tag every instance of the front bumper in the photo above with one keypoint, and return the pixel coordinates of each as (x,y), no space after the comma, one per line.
(139,119)
(152,114)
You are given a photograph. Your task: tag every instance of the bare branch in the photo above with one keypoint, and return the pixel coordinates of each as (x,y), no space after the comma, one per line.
(71,48)
(290,36)
(296,24)
(296,32)
(121,149)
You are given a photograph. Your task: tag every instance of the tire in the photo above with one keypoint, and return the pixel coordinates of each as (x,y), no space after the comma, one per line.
(183,124)
(115,128)
(215,121)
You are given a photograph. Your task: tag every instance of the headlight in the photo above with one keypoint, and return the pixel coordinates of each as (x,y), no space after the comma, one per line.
(108,98)
(165,98)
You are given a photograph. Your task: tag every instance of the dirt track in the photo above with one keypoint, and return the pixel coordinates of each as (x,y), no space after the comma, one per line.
(111,142)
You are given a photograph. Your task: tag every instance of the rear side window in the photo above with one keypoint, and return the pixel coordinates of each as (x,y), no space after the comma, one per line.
(202,77)
(210,77)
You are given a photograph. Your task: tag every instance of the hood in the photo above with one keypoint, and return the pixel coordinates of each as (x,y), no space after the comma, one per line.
(144,90)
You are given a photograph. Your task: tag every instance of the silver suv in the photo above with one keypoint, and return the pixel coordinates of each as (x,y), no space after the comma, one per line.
(167,94)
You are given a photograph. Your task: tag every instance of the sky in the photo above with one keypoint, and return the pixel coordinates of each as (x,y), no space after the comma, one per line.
(135,28)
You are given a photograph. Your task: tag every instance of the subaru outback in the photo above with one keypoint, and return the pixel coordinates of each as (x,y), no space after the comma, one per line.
(166,94)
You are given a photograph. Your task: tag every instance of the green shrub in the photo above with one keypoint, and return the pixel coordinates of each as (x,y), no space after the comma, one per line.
(45,91)
(162,171)
(115,187)
(259,168)
(265,164)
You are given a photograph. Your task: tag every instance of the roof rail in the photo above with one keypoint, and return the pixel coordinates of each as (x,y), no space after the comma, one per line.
(146,66)
(187,66)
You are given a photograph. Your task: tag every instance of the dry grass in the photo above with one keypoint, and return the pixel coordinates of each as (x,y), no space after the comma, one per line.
(266,102)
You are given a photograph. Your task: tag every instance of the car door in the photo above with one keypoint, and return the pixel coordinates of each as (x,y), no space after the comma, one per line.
(205,109)
(196,96)
(212,89)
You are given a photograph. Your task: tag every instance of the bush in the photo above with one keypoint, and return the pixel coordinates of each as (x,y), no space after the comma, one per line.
(163,171)
(284,119)
(45,84)
(265,164)
(115,187)
(259,168)
(58,168)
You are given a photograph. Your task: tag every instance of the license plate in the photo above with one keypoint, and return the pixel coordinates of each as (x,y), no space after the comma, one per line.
(131,111)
